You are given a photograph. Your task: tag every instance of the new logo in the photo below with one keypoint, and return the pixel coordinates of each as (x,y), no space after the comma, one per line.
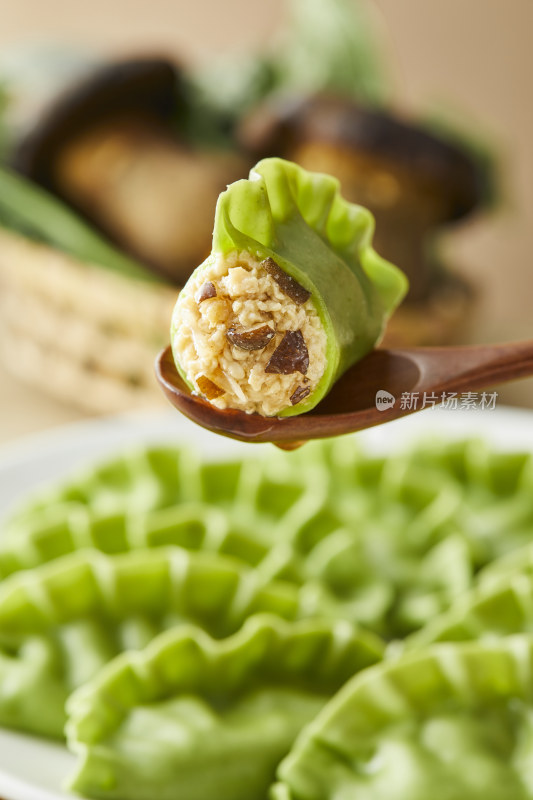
(384,400)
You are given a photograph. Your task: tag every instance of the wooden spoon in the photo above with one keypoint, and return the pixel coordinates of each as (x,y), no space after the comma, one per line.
(422,374)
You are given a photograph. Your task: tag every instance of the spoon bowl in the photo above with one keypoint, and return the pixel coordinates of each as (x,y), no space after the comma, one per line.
(384,385)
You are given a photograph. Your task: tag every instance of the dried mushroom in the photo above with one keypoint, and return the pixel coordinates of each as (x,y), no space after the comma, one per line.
(288,285)
(206,292)
(254,339)
(115,147)
(290,356)
(300,394)
(409,178)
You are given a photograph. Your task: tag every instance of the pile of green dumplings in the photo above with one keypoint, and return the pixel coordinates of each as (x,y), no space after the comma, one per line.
(327,624)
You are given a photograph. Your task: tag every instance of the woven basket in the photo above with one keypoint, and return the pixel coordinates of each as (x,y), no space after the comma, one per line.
(83,334)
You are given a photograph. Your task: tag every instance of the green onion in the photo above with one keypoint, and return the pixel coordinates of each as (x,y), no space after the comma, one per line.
(31,210)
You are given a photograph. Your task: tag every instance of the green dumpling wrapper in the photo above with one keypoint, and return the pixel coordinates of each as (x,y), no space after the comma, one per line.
(452,722)
(511,565)
(500,604)
(190,717)
(299,221)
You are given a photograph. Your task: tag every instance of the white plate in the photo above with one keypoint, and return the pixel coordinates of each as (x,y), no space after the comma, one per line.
(32,769)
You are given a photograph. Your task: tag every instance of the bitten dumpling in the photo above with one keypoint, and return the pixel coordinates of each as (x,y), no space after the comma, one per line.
(291,296)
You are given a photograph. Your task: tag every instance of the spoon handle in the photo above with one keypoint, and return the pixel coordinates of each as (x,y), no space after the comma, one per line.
(472,367)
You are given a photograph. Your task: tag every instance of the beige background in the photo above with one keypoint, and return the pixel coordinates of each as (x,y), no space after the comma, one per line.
(475,55)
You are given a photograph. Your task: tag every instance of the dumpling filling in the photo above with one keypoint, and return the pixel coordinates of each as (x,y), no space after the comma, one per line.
(248,336)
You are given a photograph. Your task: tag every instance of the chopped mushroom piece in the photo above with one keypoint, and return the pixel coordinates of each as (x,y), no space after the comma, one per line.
(255,339)
(290,356)
(288,285)
(206,292)
(208,388)
(300,394)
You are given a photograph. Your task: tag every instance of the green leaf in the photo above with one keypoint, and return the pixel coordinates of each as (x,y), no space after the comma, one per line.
(35,213)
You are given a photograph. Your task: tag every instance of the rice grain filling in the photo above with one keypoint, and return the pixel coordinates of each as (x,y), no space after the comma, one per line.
(220,337)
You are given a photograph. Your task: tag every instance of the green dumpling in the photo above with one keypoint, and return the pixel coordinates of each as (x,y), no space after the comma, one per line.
(194,718)
(453,722)
(500,604)
(291,296)
(62,622)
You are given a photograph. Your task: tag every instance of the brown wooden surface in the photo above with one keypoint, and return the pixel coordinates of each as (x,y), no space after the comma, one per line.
(351,405)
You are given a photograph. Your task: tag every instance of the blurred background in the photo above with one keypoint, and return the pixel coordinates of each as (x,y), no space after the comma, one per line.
(120,124)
